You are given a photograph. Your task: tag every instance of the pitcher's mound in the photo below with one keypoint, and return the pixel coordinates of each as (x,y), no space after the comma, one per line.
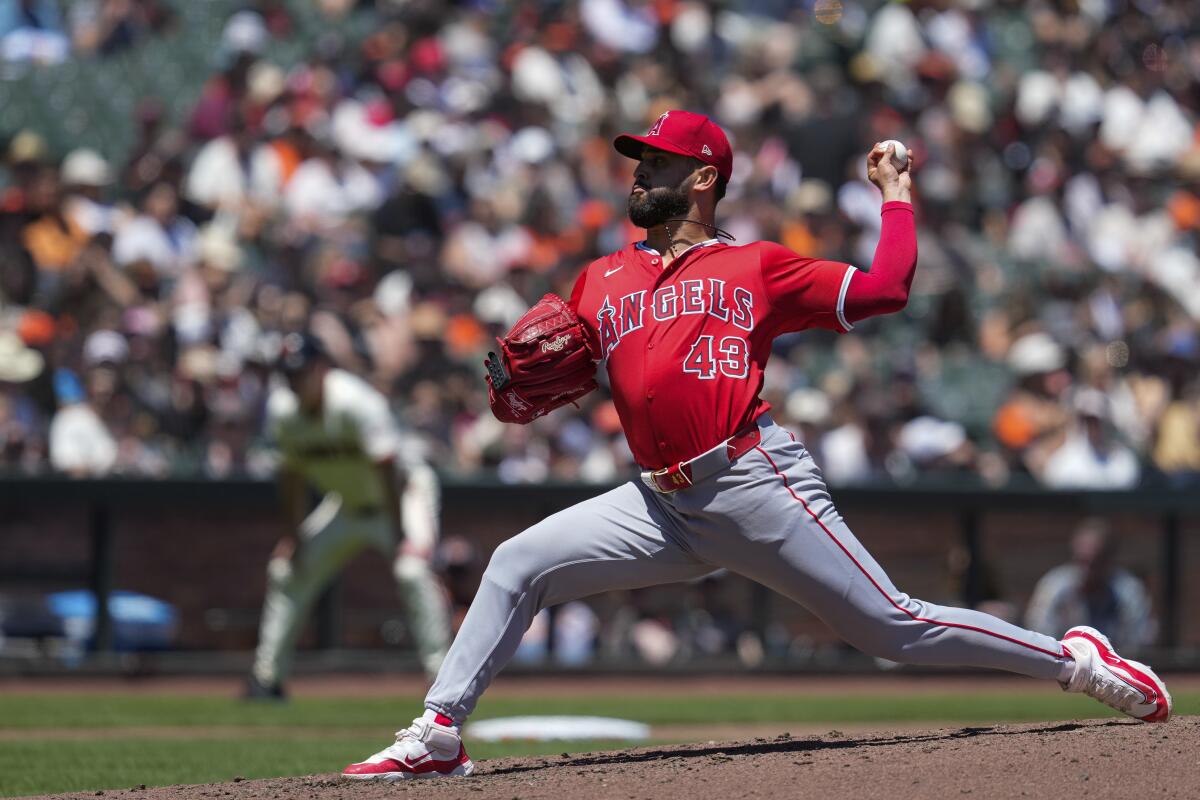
(1102,758)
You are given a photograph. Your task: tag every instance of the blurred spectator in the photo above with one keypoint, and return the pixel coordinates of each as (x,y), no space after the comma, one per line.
(932,444)
(1034,409)
(1089,455)
(231,172)
(327,187)
(159,238)
(1176,445)
(109,26)
(974,583)
(20,417)
(460,567)
(709,625)
(80,443)
(32,30)
(575,629)
(51,237)
(86,177)
(640,630)
(1092,590)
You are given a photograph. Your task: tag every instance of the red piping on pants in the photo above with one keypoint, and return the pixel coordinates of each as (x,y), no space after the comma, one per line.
(879,588)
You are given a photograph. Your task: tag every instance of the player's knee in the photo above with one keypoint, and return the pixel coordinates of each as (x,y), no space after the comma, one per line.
(506,559)
(422,480)
(411,569)
(514,565)
(279,572)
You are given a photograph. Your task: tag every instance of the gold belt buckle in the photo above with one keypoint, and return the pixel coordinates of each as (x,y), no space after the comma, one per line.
(654,479)
(679,479)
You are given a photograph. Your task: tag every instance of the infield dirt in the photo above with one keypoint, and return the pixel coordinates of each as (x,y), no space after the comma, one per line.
(1093,759)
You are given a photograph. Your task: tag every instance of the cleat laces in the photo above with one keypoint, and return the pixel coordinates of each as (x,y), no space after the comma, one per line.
(1106,687)
(397,751)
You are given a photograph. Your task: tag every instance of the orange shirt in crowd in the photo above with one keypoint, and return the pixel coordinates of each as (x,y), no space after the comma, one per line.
(53,242)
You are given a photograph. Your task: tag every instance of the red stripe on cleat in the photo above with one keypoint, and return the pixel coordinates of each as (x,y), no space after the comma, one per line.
(379,768)
(421,766)
(1153,691)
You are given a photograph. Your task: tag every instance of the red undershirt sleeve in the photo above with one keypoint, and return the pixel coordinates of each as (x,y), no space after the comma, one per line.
(884,289)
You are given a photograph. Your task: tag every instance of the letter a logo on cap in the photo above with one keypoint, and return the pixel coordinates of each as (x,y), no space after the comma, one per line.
(654,128)
(682,133)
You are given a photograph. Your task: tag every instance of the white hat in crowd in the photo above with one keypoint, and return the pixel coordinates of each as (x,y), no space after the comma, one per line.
(245,32)
(85,167)
(1036,353)
(925,439)
(393,294)
(18,363)
(105,347)
(218,248)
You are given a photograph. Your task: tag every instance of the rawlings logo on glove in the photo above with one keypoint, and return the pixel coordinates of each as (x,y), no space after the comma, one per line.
(516,402)
(544,362)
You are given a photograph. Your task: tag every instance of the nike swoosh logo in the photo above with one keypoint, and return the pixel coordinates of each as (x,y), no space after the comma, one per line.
(418,762)
(613,271)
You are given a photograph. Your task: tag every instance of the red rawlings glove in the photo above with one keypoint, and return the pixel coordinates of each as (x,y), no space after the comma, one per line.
(545,362)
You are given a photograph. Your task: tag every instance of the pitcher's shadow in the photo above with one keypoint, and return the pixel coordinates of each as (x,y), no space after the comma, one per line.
(794,746)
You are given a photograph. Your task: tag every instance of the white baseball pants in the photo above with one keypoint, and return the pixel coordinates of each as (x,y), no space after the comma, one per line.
(331,536)
(768,517)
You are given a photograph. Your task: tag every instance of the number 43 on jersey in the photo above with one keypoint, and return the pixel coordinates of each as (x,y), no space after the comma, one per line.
(730,356)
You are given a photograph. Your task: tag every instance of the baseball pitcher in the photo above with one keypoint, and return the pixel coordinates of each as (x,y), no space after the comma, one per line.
(336,434)
(684,324)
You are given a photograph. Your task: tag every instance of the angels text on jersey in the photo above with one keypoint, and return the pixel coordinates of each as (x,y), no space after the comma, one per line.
(709,354)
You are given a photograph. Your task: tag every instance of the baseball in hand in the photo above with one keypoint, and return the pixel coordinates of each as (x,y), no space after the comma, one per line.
(900,156)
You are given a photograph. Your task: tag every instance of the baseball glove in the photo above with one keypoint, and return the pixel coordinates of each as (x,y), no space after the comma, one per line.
(545,361)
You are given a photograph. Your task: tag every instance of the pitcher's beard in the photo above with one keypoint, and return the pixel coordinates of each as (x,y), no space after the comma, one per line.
(655,206)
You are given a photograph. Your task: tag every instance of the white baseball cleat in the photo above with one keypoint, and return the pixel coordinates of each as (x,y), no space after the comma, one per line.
(426,749)
(1128,686)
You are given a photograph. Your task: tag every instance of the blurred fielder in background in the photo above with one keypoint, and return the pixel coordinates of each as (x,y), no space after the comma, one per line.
(335,433)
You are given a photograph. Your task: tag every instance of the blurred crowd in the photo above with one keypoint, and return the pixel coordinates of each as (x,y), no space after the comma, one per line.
(406,195)
(49,32)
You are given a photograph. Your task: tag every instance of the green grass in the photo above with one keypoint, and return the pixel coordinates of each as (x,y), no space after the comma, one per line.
(114,763)
(327,733)
(135,710)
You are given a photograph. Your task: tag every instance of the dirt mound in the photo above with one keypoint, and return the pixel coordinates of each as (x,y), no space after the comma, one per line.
(1108,758)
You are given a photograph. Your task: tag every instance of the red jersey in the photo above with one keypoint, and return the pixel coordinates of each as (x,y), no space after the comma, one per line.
(686,346)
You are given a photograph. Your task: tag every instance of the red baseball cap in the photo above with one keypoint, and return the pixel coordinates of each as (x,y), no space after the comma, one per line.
(686,134)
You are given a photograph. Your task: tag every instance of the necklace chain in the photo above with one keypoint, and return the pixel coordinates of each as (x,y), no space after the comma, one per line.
(717,231)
